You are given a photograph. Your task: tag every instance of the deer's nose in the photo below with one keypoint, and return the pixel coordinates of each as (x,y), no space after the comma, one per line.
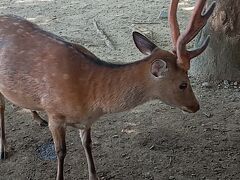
(194,108)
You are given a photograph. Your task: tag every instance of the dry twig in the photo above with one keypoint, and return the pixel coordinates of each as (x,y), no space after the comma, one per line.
(107,40)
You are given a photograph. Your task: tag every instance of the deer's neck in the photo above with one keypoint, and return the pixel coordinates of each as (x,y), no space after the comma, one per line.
(121,88)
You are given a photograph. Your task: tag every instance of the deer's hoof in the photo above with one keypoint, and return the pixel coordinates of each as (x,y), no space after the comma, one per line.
(2,155)
(93,178)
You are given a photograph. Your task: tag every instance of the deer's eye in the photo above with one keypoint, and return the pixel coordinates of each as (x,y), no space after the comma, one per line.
(183,86)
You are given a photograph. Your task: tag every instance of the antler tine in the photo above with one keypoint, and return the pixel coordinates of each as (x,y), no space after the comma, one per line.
(173,23)
(196,52)
(209,11)
(197,22)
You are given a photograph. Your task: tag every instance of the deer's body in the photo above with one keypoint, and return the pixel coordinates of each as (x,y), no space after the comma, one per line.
(41,71)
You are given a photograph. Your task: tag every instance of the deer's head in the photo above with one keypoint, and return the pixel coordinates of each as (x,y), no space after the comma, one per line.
(169,70)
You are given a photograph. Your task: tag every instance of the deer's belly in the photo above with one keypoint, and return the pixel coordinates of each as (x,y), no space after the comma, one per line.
(22,99)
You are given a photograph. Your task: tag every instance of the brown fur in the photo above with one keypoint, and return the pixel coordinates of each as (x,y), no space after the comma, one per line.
(40,71)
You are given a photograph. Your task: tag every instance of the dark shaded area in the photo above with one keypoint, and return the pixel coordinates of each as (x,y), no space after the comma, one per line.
(46,151)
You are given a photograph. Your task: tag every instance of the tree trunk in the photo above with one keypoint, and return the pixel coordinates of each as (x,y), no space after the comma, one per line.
(221,60)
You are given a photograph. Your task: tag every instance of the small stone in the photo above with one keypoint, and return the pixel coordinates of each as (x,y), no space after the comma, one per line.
(124,155)
(235,83)
(163,14)
(226,82)
(208,115)
(152,147)
(115,136)
(147,175)
(192,127)
(206,85)
(171,178)
(215,127)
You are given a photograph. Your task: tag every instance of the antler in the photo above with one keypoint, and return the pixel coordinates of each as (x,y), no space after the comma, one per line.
(172,20)
(197,22)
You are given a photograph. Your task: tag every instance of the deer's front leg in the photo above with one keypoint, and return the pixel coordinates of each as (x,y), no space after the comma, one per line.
(58,131)
(2,129)
(87,145)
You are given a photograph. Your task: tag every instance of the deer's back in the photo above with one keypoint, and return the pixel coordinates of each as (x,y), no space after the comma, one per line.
(38,68)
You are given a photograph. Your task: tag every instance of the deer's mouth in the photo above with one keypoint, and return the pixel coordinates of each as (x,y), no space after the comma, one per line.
(190,109)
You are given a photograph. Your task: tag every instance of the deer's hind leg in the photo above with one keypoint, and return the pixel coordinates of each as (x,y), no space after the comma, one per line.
(2,129)
(39,120)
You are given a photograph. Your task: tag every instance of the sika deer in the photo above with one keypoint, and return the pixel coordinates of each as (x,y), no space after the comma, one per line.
(41,71)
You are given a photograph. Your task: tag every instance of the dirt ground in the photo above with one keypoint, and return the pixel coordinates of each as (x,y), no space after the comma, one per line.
(152,141)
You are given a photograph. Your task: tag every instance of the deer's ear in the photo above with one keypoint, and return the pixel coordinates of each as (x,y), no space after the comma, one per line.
(158,68)
(144,45)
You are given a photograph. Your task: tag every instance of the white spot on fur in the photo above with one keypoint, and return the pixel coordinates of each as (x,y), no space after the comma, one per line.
(36,80)
(44,78)
(21,52)
(65,76)
(20,30)
(38,64)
